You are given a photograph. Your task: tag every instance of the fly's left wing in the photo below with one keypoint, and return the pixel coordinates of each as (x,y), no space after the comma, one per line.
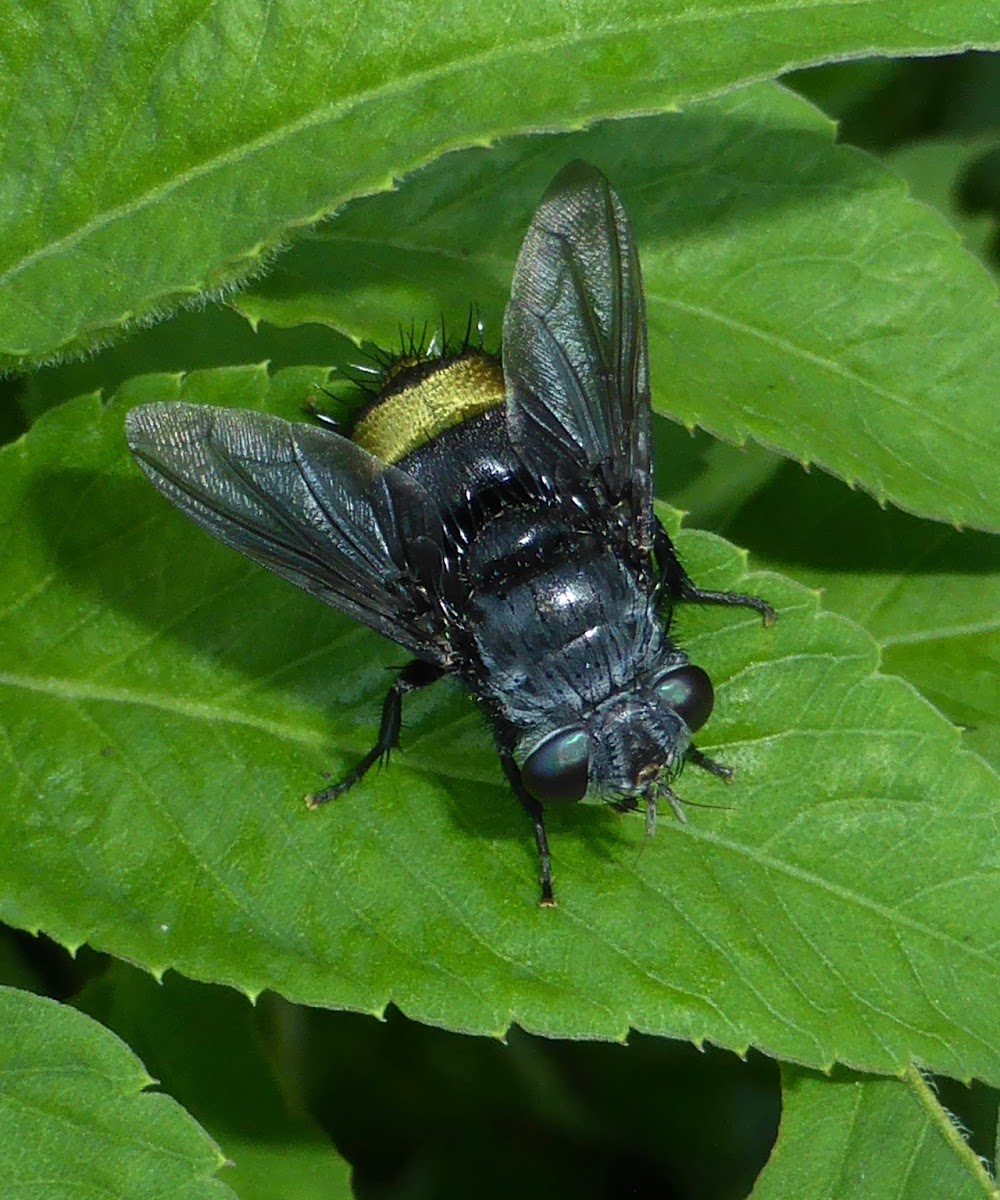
(312,506)
(574,348)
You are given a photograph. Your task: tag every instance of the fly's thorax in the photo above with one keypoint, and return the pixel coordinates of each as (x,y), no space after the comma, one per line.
(422,397)
(560,622)
(544,545)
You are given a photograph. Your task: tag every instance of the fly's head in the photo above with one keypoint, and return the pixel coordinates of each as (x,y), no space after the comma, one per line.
(628,749)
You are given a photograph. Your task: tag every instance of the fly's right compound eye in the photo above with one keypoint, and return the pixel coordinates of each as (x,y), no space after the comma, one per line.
(556,770)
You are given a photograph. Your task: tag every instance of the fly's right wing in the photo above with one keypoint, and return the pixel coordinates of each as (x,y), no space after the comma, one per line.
(312,506)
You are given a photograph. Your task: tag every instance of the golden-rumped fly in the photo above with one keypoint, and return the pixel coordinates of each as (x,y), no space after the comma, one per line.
(494,518)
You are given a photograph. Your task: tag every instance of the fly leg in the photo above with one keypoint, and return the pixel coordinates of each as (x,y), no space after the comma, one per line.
(415,675)
(534,810)
(694,755)
(678,583)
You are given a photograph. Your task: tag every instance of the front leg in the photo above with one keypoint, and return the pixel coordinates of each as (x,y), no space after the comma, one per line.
(700,759)
(534,810)
(416,674)
(678,583)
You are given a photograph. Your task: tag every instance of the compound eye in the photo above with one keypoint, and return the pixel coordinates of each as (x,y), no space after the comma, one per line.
(689,692)
(557,769)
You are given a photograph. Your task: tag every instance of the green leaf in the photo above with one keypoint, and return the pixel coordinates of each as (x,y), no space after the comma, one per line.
(928,595)
(166,705)
(878,1138)
(188,341)
(935,170)
(797,295)
(76,1118)
(713,480)
(205,1045)
(158,150)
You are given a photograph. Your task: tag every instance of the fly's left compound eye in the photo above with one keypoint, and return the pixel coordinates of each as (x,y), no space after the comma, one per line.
(557,769)
(689,692)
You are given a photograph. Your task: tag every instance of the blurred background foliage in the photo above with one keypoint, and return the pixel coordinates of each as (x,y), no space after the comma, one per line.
(418,1112)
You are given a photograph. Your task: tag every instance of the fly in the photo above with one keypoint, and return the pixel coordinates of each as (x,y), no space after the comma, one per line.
(495,518)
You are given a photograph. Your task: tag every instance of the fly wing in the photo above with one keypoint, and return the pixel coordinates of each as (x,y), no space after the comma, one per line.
(312,506)
(574,347)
